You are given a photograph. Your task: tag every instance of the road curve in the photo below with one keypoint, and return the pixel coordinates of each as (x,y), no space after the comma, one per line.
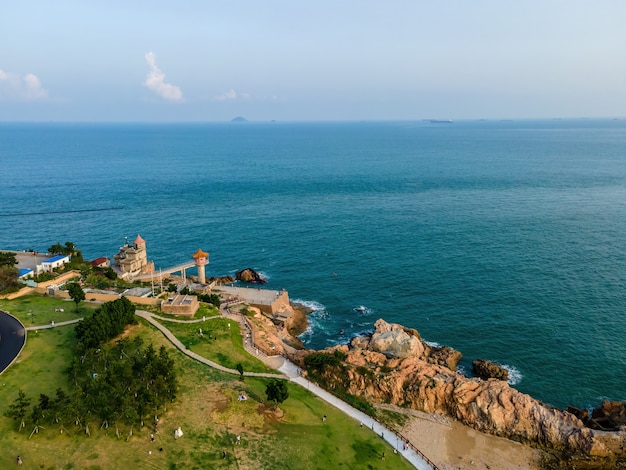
(12,339)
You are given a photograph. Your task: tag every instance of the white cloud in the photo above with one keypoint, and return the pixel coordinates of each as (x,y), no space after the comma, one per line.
(156,81)
(232,95)
(15,86)
(33,88)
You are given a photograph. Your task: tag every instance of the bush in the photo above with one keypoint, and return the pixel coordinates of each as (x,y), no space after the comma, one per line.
(319,361)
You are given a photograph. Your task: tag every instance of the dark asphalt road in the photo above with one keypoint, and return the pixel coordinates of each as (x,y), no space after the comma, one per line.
(12,338)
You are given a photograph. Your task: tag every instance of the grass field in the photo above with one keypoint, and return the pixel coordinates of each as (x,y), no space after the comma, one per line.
(218,343)
(207,410)
(39,310)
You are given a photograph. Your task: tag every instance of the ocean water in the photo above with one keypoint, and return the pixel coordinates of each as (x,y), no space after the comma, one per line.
(504,240)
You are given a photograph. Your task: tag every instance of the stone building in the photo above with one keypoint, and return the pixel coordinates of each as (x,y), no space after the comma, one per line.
(132,259)
(181,305)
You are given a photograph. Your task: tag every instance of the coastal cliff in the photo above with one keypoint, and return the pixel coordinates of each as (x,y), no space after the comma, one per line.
(393,365)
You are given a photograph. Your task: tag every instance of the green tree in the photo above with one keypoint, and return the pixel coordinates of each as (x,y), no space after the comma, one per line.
(17,410)
(56,249)
(76,293)
(276,391)
(239,368)
(8,259)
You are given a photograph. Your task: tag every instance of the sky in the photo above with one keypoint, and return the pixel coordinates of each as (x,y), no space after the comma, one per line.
(286,60)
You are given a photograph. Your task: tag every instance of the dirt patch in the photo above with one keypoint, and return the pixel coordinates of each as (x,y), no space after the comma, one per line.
(237,413)
(270,413)
(452,445)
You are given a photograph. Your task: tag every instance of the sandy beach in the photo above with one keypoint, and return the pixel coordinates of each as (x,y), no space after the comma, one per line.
(452,445)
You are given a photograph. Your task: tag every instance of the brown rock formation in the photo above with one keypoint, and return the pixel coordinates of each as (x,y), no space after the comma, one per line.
(488,370)
(249,275)
(389,368)
(221,280)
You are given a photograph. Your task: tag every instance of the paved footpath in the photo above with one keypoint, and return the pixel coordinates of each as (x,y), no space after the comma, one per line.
(53,325)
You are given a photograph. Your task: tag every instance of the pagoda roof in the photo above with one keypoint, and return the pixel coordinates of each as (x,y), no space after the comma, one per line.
(200,254)
(139,240)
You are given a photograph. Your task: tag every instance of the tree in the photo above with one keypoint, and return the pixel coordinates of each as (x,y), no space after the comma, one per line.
(56,249)
(17,410)
(276,391)
(8,259)
(76,293)
(239,368)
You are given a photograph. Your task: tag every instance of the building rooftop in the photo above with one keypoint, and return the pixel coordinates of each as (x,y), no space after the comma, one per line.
(55,258)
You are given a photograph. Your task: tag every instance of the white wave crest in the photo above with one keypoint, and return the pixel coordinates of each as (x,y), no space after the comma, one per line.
(515,376)
(315,318)
(311,304)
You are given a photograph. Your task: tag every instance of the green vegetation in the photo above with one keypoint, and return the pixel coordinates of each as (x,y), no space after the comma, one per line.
(318,364)
(218,343)
(113,384)
(8,273)
(77,294)
(319,361)
(276,391)
(206,408)
(106,323)
(41,310)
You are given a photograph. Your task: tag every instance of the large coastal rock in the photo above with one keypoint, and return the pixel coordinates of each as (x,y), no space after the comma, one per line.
(488,370)
(389,367)
(395,340)
(249,275)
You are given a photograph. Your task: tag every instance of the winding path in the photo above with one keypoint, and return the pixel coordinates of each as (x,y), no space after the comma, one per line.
(12,339)
(291,372)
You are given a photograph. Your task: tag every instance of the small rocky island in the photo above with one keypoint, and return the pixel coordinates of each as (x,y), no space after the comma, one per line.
(393,365)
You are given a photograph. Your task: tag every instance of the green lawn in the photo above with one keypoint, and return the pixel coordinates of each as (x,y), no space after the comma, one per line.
(207,410)
(34,310)
(218,343)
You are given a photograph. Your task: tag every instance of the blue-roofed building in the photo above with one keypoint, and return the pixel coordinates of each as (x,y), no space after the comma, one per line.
(55,262)
(25,273)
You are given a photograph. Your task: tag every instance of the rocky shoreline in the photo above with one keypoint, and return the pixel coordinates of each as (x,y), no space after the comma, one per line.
(393,365)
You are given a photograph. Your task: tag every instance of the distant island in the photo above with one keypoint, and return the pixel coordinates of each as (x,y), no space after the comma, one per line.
(239,119)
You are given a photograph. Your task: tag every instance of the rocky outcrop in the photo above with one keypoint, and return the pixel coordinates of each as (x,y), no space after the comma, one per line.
(249,275)
(395,340)
(221,280)
(389,367)
(610,416)
(488,370)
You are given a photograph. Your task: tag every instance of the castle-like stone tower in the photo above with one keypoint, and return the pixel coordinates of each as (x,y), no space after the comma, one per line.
(202,259)
(133,259)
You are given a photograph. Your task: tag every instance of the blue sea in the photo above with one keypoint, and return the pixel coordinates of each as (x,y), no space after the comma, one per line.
(505,240)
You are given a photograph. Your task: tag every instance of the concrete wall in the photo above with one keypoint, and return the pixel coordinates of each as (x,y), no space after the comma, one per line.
(62,294)
(42,286)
